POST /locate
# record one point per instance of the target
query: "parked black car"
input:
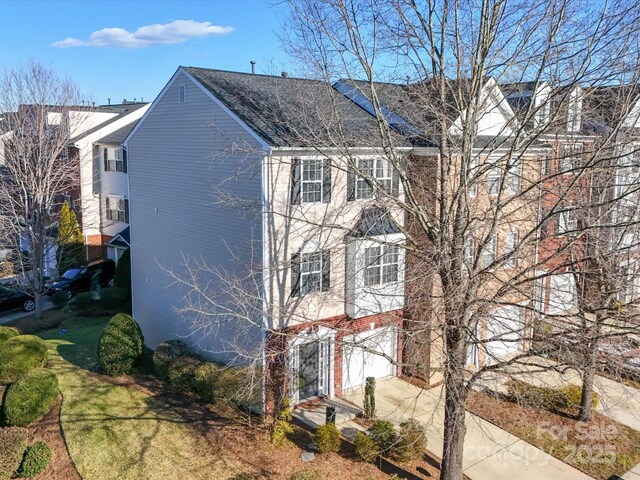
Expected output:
(11, 299)
(79, 279)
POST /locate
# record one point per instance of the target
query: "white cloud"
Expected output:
(157, 34)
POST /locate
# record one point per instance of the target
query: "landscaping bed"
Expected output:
(600, 448)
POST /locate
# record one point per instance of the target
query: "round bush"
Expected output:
(30, 397)
(60, 298)
(384, 434)
(166, 353)
(412, 441)
(20, 354)
(328, 438)
(366, 447)
(35, 461)
(182, 373)
(114, 299)
(13, 442)
(121, 345)
(8, 332)
(206, 377)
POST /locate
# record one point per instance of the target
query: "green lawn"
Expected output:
(117, 432)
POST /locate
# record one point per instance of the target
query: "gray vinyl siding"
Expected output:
(176, 157)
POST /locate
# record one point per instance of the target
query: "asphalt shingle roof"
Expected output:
(117, 136)
(291, 112)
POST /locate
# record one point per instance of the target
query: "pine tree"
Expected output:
(70, 239)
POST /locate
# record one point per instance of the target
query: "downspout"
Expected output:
(264, 199)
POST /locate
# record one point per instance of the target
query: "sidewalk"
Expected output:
(490, 453)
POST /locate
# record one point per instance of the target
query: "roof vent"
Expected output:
(284, 74)
(253, 67)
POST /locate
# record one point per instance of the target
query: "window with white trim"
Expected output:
(493, 180)
(312, 178)
(514, 178)
(472, 171)
(381, 265)
(182, 93)
(569, 157)
(372, 171)
(468, 254)
(510, 245)
(489, 252)
(567, 221)
(116, 208)
(113, 160)
(310, 272)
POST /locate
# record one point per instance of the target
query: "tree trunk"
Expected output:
(38, 300)
(588, 374)
(454, 416)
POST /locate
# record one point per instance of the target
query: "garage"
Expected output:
(505, 332)
(562, 293)
(367, 354)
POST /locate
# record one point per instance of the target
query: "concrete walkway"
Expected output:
(490, 453)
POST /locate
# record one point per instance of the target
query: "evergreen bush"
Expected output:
(121, 345)
(30, 397)
(20, 354)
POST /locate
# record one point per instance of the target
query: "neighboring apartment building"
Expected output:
(253, 177)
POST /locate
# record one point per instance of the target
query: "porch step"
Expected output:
(314, 414)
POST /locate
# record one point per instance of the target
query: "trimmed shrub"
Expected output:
(412, 441)
(20, 354)
(82, 301)
(30, 397)
(229, 384)
(121, 345)
(166, 353)
(35, 461)
(366, 447)
(13, 442)
(206, 381)
(304, 475)
(328, 438)
(370, 397)
(282, 427)
(182, 373)
(384, 434)
(60, 299)
(8, 332)
(114, 299)
(573, 395)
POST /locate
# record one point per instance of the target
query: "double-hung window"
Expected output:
(310, 180)
(117, 209)
(493, 180)
(468, 254)
(371, 173)
(514, 177)
(569, 157)
(489, 252)
(310, 272)
(381, 265)
(510, 246)
(567, 221)
(472, 172)
(113, 160)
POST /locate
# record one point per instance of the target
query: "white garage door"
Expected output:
(562, 294)
(505, 327)
(366, 355)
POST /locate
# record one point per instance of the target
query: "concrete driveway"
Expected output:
(490, 453)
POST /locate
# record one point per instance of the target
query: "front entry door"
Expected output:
(309, 371)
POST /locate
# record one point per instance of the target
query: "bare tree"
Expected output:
(37, 171)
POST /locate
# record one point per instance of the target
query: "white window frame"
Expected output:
(569, 155)
(182, 93)
(468, 253)
(567, 221)
(116, 214)
(510, 247)
(386, 259)
(514, 178)
(489, 252)
(308, 261)
(493, 180)
(472, 172)
(380, 171)
(311, 186)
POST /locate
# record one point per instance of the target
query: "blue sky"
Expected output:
(129, 49)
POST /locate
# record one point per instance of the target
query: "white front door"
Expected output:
(368, 354)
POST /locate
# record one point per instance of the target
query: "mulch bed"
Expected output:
(600, 448)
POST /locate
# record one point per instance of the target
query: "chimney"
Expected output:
(253, 67)
(284, 74)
